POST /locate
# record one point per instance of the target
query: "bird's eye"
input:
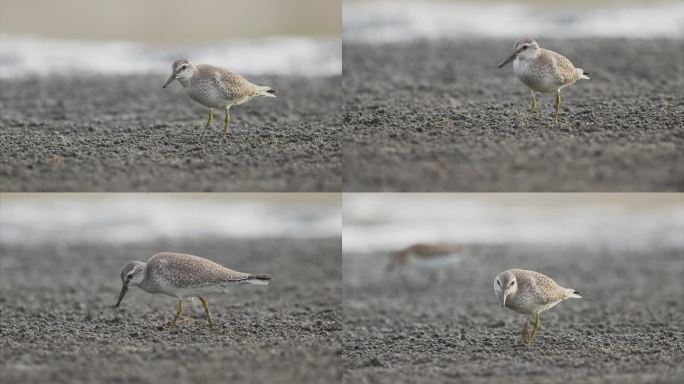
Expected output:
(498, 283)
(512, 282)
(525, 47)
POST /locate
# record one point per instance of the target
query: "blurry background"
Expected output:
(624, 252)
(385, 21)
(255, 37)
(60, 262)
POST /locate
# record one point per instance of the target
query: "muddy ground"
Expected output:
(128, 134)
(409, 328)
(439, 116)
(58, 323)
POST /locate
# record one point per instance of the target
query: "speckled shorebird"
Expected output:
(183, 276)
(542, 70)
(215, 87)
(529, 293)
(424, 254)
(427, 256)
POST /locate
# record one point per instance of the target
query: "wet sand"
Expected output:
(58, 324)
(128, 134)
(628, 326)
(440, 116)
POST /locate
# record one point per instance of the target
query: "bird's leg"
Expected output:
(206, 310)
(211, 117)
(225, 130)
(525, 333)
(180, 310)
(537, 325)
(557, 106)
(533, 107)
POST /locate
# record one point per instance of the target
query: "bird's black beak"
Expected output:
(510, 58)
(124, 289)
(172, 78)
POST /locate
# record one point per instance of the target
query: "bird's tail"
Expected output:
(572, 293)
(258, 279)
(582, 74)
(263, 90)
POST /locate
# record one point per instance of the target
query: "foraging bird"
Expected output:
(542, 70)
(215, 87)
(433, 257)
(183, 276)
(434, 254)
(529, 293)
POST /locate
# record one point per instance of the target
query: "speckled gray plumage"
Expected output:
(217, 87)
(187, 271)
(535, 292)
(183, 275)
(540, 69)
(549, 64)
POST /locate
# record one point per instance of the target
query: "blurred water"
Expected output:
(400, 21)
(130, 218)
(289, 56)
(377, 223)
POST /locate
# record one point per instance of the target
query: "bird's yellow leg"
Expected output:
(557, 105)
(206, 310)
(537, 324)
(211, 117)
(227, 127)
(180, 310)
(533, 107)
(525, 333)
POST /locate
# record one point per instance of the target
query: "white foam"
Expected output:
(32, 56)
(401, 21)
(131, 218)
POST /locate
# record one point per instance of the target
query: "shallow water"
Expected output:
(22, 55)
(133, 218)
(401, 21)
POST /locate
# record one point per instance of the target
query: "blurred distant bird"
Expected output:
(433, 256)
(529, 293)
(215, 87)
(183, 276)
(542, 70)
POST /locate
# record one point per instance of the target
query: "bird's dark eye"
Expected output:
(524, 47)
(512, 282)
(498, 283)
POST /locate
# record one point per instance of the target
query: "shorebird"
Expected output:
(215, 87)
(183, 276)
(542, 70)
(529, 293)
(433, 257)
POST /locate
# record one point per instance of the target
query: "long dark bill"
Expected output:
(124, 289)
(510, 58)
(172, 78)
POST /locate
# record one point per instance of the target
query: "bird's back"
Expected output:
(187, 271)
(564, 71)
(540, 288)
(231, 85)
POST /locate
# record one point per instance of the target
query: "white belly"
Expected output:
(539, 81)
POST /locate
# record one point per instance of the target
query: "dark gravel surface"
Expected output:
(58, 323)
(628, 327)
(128, 134)
(439, 116)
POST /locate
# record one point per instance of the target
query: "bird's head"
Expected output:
(181, 70)
(525, 48)
(505, 284)
(132, 273)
